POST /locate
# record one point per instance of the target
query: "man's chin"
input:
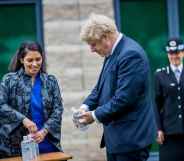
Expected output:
(176, 64)
(102, 55)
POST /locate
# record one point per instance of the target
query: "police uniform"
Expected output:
(169, 99)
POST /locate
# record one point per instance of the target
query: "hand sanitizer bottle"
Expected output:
(76, 116)
(34, 147)
(26, 149)
(29, 149)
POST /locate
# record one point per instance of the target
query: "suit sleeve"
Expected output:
(159, 101)
(53, 124)
(132, 70)
(92, 99)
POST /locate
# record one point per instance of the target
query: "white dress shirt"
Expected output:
(175, 68)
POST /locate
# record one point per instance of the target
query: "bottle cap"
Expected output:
(25, 137)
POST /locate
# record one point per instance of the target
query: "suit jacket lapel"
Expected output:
(100, 77)
(111, 62)
(182, 76)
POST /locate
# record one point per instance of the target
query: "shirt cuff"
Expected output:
(85, 107)
(94, 117)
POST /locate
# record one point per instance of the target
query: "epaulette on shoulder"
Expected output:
(160, 69)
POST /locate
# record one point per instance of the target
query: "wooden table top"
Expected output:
(56, 156)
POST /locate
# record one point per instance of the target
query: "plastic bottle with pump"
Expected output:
(29, 149)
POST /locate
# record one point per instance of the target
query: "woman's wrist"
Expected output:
(45, 131)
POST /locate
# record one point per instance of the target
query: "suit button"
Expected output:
(180, 116)
(179, 88)
(179, 106)
(179, 97)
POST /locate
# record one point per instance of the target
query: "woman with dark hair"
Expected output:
(21, 52)
(30, 103)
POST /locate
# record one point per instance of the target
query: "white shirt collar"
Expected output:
(120, 35)
(116, 43)
(173, 67)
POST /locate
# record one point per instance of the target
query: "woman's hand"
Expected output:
(30, 125)
(40, 135)
(160, 137)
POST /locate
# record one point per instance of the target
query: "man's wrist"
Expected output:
(94, 117)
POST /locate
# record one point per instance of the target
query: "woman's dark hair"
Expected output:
(24, 48)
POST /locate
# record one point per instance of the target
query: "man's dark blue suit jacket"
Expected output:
(121, 99)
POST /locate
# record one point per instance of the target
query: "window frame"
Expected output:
(38, 13)
(172, 17)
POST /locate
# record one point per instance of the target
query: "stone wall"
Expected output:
(75, 68)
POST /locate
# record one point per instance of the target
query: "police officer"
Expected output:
(169, 100)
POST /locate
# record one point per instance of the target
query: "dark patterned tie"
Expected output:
(106, 62)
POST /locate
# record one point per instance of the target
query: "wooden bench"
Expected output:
(56, 156)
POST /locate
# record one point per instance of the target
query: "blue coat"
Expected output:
(121, 99)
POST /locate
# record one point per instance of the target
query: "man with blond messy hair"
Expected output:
(121, 99)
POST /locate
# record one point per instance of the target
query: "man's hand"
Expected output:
(86, 118)
(160, 137)
(30, 125)
(76, 114)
